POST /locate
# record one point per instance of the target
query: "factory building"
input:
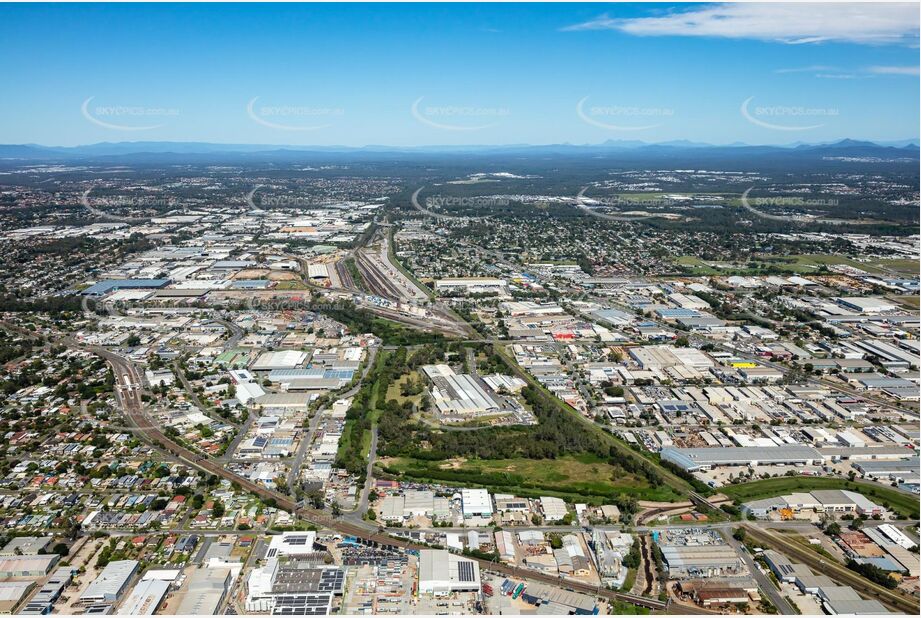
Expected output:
(866, 304)
(43, 600)
(833, 501)
(476, 503)
(459, 396)
(25, 546)
(26, 565)
(104, 287)
(285, 359)
(684, 561)
(206, 590)
(297, 588)
(553, 600)
(692, 459)
(442, 573)
(471, 285)
(317, 272)
(145, 598)
(108, 587)
(11, 593)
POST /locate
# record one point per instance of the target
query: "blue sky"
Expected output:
(427, 74)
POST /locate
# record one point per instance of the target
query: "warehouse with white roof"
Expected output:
(442, 573)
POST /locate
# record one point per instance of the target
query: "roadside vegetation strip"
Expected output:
(681, 486)
(903, 503)
(360, 418)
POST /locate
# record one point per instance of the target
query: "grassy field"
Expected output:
(696, 265)
(901, 502)
(912, 302)
(290, 285)
(905, 266)
(579, 478)
(393, 390)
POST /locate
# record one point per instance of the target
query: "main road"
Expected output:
(766, 585)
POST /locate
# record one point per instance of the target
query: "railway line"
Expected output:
(345, 277)
(836, 571)
(377, 281)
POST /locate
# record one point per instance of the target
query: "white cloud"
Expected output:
(889, 70)
(836, 76)
(827, 72)
(793, 23)
(809, 69)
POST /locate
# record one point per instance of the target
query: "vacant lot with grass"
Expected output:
(899, 501)
(579, 478)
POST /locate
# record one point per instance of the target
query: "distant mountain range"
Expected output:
(109, 150)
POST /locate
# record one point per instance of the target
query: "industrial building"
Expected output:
(906, 470)
(11, 594)
(554, 600)
(26, 565)
(285, 359)
(302, 588)
(414, 503)
(204, 591)
(25, 546)
(692, 459)
(459, 396)
(476, 503)
(684, 561)
(42, 601)
(293, 544)
(317, 272)
(554, 509)
(833, 598)
(442, 573)
(145, 598)
(833, 501)
(108, 587)
(472, 285)
(104, 287)
(866, 304)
